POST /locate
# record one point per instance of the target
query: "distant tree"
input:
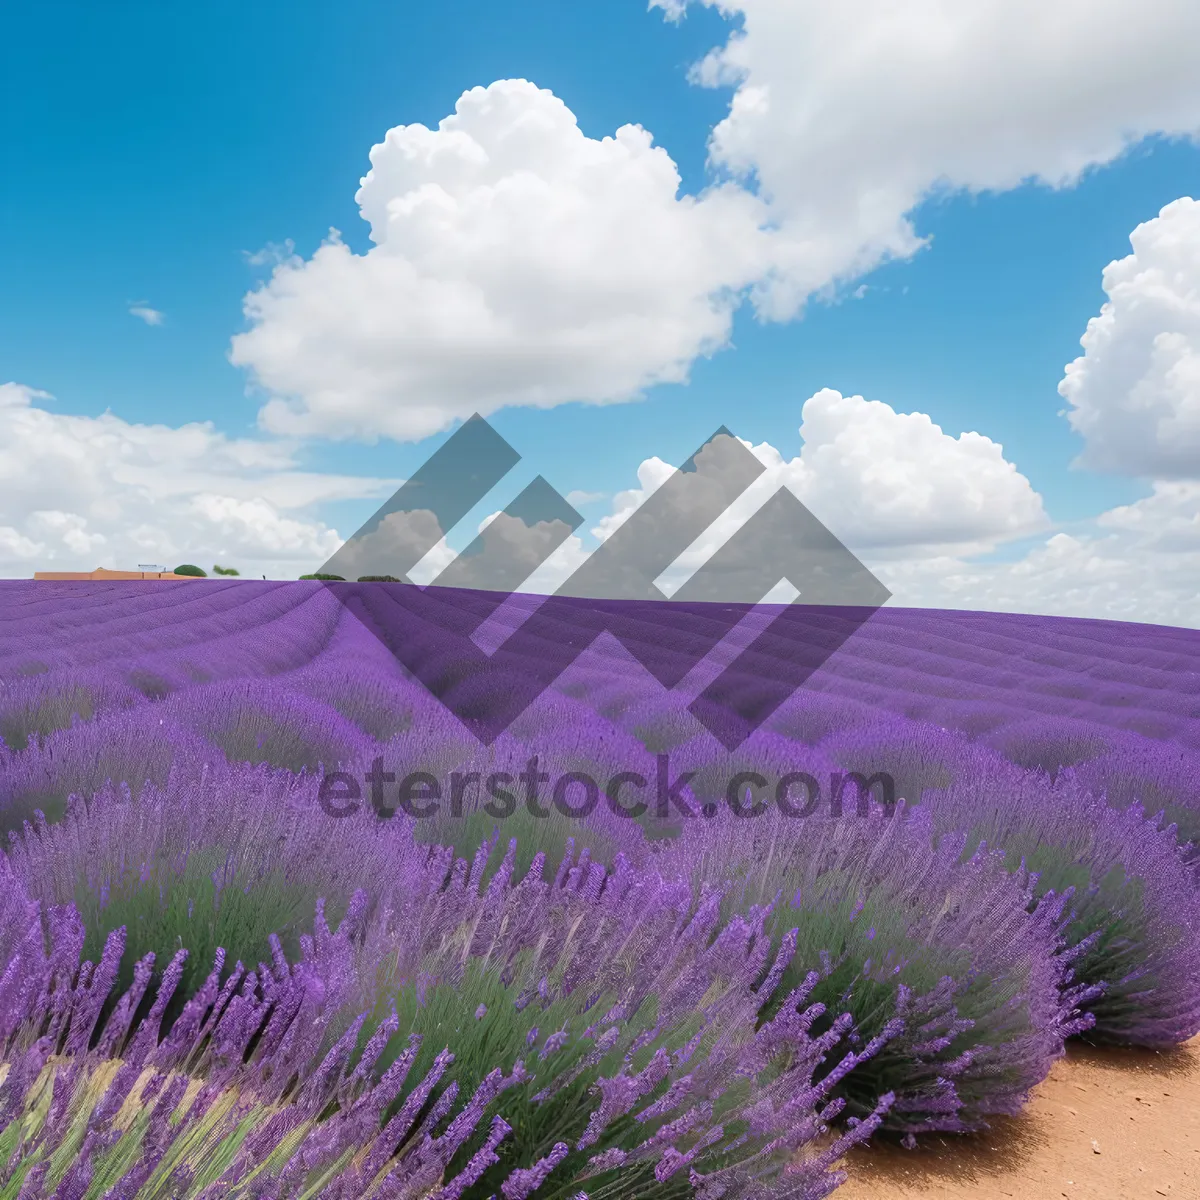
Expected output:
(320, 575)
(226, 571)
(188, 569)
(378, 579)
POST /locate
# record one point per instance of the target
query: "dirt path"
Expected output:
(1106, 1125)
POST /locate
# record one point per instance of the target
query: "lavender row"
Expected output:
(462, 1032)
(957, 669)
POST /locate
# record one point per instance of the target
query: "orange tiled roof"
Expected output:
(104, 573)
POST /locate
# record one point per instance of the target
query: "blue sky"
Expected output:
(149, 149)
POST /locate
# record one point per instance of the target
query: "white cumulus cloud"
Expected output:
(1140, 562)
(516, 261)
(82, 492)
(848, 114)
(924, 510)
(1134, 393)
(887, 484)
(1167, 520)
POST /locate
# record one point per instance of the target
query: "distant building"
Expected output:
(104, 573)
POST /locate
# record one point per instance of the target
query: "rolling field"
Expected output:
(275, 923)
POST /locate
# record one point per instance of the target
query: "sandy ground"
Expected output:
(1106, 1125)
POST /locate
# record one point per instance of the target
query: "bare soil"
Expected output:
(1105, 1125)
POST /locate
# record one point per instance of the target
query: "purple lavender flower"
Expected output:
(626, 963)
(219, 857)
(1133, 916)
(910, 942)
(1160, 776)
(517, 1007)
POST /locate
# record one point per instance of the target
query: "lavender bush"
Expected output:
(1132, 912)
(1135, 915)
(938, 955)
(216, 857)
(486, 811)
(35, 706)
(1161, 777)
(1049, 745)
(605, 1043)
(918, 755)
(132, 747)
(253, 722)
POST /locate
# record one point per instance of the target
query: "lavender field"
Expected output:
(239, 959)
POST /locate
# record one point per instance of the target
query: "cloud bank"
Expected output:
(1134, 393)
(83, 492)
(516, 261)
